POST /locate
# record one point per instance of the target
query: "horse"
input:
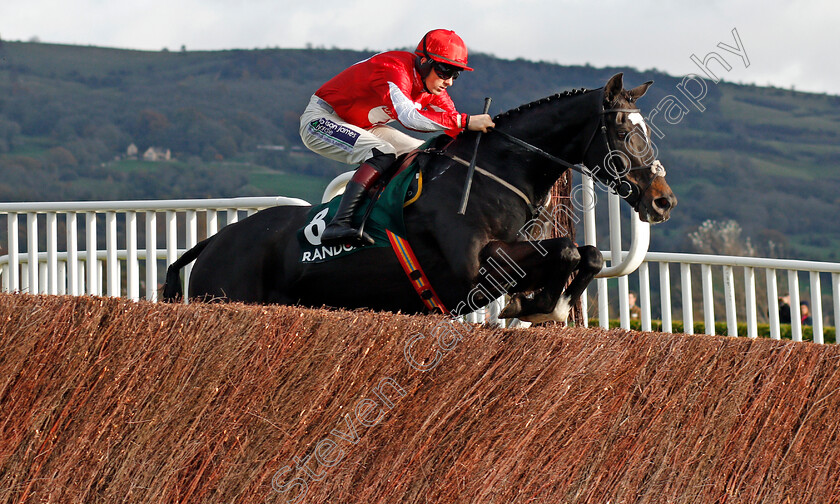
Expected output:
(470, 259)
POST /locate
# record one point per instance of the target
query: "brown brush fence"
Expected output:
(763, 330)
(108, 400)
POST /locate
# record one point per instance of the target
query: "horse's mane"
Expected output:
(541, 101)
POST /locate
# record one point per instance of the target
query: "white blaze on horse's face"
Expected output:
(636, 118)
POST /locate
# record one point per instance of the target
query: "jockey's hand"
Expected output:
(481, 122)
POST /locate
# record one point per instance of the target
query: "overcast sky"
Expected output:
(787, 43)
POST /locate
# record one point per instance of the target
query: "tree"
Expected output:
(151, 128)
(721, 238)
(772, 243)
(226, 146)
(59, 156)
(9, 132)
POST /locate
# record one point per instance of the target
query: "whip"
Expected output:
(468, 183)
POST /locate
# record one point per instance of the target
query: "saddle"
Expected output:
(383, 212)
(414, 159)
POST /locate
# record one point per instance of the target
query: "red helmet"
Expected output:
(444, 46)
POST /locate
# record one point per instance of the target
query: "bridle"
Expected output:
(634, 195)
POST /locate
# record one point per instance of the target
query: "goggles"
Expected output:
(445, 71)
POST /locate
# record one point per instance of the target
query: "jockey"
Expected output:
(346, 118)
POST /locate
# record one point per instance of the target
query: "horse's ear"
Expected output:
(639, 91)
(614, 87)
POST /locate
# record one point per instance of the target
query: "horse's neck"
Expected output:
(560, 125)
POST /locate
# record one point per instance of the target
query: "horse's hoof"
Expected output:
(512, 309)
(560, 313)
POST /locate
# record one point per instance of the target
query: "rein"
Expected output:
(655, 167)
(533, 148)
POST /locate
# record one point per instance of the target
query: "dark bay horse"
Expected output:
(469, 259)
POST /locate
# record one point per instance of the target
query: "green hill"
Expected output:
(765, 157)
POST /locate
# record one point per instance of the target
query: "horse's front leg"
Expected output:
(591, 262)
(544, 267)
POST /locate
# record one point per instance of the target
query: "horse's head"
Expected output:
(600, 132)
(625, 157)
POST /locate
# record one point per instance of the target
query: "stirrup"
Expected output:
(338, 233)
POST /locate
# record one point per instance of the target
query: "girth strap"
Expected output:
(419, 280)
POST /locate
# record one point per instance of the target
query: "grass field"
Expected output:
(290, 184)
(262, 180)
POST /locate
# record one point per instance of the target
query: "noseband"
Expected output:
(634, 196)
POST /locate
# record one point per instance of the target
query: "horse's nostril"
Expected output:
(663, 204)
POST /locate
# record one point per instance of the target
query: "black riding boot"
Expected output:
(341, 230)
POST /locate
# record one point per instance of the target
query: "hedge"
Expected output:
(829, 333)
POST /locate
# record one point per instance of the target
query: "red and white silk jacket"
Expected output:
(387, 87)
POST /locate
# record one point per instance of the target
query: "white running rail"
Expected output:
(79, 259)
(734, 302)
(640, 241)
(744, 302)
(71, 255)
